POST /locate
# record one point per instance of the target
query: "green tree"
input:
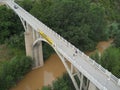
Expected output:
(9, 24)
(16, 41)
(78, 21)
(97, 22)
(12, 71)
(110, 60)
(6, 80)
(47, 50)
(112, 9)
(26, 4)
(62, 83)
(117, 40)
(46, 88)
(114, 30)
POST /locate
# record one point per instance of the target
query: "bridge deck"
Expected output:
(94, 72)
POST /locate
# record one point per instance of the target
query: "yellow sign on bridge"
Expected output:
(50, 41)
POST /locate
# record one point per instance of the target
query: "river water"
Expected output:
(101, 46)
(52, 69)
(35, 79)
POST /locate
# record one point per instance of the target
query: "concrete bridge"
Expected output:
(91, 75)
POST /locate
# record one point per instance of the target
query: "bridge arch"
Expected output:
(69, 69)
(38, 57)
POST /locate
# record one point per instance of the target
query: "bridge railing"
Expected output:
(87, 58)
(48, 31)
(96, 65)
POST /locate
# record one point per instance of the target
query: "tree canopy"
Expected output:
(80, 21)
(110, 60)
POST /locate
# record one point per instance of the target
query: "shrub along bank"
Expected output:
(62, 83)
(14, 70)
(109, 59)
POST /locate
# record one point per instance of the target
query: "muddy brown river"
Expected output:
(52, 69)
(37, 78)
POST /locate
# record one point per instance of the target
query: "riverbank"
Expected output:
(43, 76)
(101, 46)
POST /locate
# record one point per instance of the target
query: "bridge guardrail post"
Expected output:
(108, 74)
(93, 62)
(118, 82)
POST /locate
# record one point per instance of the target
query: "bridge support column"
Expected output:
(37, 51)
(28, 43)
(92, 86)
(81, 82)
(33, 51)
(85, 83)
(38, 55)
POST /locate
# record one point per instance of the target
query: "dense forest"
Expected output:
(82, 22)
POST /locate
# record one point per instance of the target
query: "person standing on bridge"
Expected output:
(75, 54)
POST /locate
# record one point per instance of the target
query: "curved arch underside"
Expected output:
(69, 68)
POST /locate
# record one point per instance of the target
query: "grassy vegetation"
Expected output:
(6, 53)
(109, 59)
(13, 70)
(13, 66)
(62, 83)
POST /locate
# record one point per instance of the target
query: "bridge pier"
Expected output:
(92, 86)
(38, 55)
(28, 43)
(35, 52)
